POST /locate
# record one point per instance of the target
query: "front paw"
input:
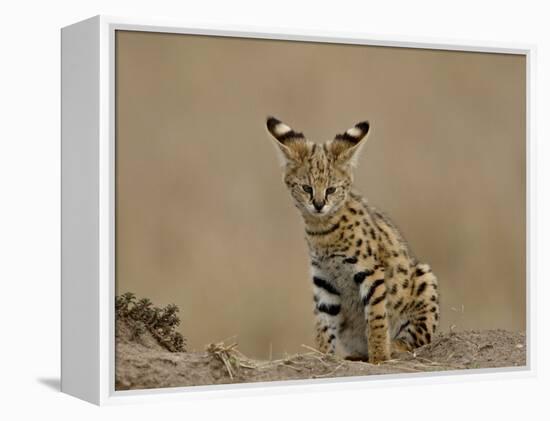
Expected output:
(376, 360)
(379, 356)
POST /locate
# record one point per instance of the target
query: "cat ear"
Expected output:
(345, 147)
(293, 145)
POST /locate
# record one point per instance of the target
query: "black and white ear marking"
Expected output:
(292, 145)
(281, 131)
(346, 146)
(355, 134)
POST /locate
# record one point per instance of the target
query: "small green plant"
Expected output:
(142, 316)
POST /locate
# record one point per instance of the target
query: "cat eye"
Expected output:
(330, 190)
(307, 189)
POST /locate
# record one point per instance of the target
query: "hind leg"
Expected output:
(399, 346)
(420, 316)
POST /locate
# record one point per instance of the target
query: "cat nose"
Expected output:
(318, 205)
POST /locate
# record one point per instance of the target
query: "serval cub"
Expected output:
(371, 295)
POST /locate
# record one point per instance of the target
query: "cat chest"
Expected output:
(339, 275)
(334, 269)
(351, 320)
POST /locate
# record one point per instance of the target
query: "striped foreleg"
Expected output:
(328, 312)
(373, 292)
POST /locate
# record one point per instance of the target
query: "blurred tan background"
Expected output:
(205, 222)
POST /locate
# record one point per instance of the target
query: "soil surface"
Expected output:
(143, 363)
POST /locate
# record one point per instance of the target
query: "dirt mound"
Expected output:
(477, 349)
(143, 363)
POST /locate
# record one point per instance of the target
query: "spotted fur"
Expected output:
(371, 296)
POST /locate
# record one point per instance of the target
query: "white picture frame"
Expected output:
(88, 170)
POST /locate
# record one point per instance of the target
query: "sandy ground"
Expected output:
(143, 363)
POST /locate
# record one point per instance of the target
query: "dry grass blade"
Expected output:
(254, 367)
(331, 373)
(320, 356)
(224, 353)
(320, 360)
(416, 357)
(287, 364)
(314, 350)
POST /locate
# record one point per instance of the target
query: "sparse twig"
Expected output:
(287, 364)
(314, 350)
(331, 373)
(223, 352)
